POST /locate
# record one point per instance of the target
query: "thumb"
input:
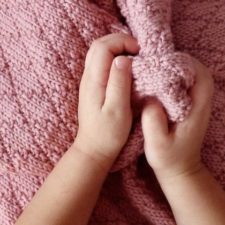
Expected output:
(154, 123)
(118, 89)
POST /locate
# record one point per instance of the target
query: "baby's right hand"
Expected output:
(176, 151)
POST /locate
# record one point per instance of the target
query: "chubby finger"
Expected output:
(201, 95)
(154, 123)
(107, 47)
(99, 60)
(202, 91)
(118, 89)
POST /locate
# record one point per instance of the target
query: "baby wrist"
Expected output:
(94, 156)
(179, 172)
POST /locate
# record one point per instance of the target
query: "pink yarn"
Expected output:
(43, 45)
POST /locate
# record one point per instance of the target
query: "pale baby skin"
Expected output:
(71, 190)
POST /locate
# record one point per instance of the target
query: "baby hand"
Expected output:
(171, 152)
(104, 111)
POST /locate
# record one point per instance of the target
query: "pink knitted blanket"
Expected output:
(43, 45)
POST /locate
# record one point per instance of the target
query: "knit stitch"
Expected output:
(42, 50)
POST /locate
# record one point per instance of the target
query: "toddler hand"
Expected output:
(174, 151)
(104, 111)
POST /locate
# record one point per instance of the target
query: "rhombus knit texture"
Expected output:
(43, 44)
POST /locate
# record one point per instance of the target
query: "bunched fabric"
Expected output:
(42, 51)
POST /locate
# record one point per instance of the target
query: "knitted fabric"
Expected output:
(42, 50)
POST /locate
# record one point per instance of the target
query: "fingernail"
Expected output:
(122, 63)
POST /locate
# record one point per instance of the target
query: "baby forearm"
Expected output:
(69, 193)
(105, 118)
(195, 198)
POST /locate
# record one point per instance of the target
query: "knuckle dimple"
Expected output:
(112, 112)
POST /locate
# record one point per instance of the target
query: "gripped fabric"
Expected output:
(42, 50)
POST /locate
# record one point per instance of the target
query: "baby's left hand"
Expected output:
(104, 111)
